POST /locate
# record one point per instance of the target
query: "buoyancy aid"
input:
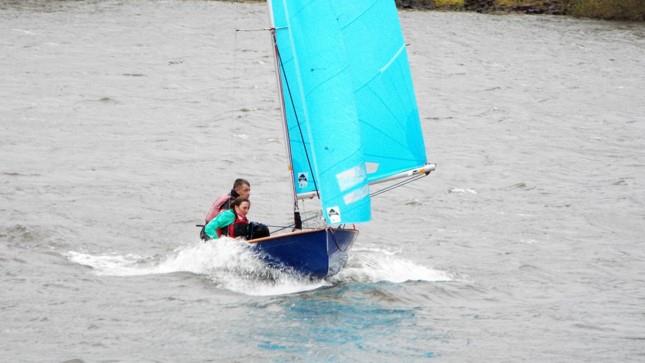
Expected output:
(222, 203)
(238, 228)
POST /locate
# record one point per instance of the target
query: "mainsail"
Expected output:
(383, 90)
(348, 101)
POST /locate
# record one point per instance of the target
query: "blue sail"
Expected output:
(319, 102)
(384, 94)
(297, 127)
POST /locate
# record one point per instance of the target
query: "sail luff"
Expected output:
(297, 133)
(299, 85)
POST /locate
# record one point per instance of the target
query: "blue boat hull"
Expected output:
(317, 253)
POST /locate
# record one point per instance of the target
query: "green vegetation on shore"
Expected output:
(608, 9)
(601, 9)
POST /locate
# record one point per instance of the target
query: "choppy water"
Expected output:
(121, 121)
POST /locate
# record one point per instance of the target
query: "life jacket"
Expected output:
(238, 228)
(222, 203)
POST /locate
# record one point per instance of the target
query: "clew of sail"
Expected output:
(320, 108)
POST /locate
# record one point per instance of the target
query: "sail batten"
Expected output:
(394, 57)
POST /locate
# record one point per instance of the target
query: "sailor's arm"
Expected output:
(222, 220)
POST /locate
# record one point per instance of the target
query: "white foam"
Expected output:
(198, 258)
(376, 264)
(462, 190)
(232, 265)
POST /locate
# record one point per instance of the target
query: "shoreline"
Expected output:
(624, 10)
(621, 10)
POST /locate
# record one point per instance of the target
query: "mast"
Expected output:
(276, 54)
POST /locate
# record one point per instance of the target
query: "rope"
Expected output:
(397, 185)
(292, 224)
(375, 194)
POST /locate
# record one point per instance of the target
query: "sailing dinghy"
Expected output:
(350, 121)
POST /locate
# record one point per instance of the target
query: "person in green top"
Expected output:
(230, 222)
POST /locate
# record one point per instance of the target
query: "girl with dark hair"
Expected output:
(231, 222)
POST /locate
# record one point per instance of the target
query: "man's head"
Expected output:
(242, 187)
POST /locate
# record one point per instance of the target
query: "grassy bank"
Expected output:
(609, 9)
(600, 9)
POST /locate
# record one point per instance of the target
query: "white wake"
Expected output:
(232, 265)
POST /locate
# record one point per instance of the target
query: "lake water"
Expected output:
(122, 121)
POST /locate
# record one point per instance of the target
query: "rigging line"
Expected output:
(293, 224)
(268, 225)
(377, 193)
(253, 30)
(391, 187)
(397, 185)
(394, 186)
(381, 191)
(235, 83)
(302, 138)
(259, 29)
